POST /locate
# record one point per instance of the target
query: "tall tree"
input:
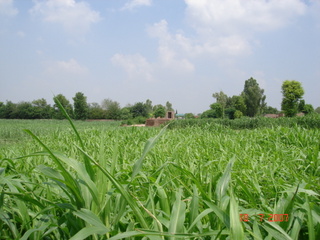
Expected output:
(169, 106)
(239, 104)
(66, 105)
(113, 109)
(42, 109)
(9, 110)
(253, 96)
(139, 109)
(159, 111)
(80, 106)
(149, 106)
(292, 92)
(217, 109)
(96, 111)
(222, 99)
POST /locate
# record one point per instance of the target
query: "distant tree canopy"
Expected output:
(139, 109)
(95, 111)
(80, 106)
(113, 109)
(250, 103)
(254, 97)
(65, 104)
(292, 93)
(159, 111)
(168, 106)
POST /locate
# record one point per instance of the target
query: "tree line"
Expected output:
(81, 110)
(252, 102)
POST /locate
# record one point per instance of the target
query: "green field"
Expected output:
(184, 182)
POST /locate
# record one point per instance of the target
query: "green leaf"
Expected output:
(235, 224)
(177, 215)
(148, 146)
(223, 182)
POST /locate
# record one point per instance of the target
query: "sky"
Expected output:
(181, 51)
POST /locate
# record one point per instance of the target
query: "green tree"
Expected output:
(238, 114)
(126, 113)
(292, 92)
(229, 112)
(222, 99)
(308, 108)
(80, 106)
(9, 110)
(159, 111)
(208, 114)
(317, 110)
(218, 110)
(189, 116)
(270, 110)
(24, 110)
(66, 105)
(169, 106)
(254, 97)
(42, 110)
(149, 107)
(95, 111)
(239, 104)
(139, 109)
(113, 109)
(301, 105)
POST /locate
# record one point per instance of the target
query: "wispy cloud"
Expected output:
(136, 3)
(75, 17)
(70, 67)
(136, 66)
(7, 8)
(224, 28)
(234, 16)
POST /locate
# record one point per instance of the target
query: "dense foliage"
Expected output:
(308, 122)
(292, 92)
(103, 181)
(81, 110)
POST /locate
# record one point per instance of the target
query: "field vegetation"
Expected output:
(190, 180)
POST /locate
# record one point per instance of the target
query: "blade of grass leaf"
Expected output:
(70, 181)
(147, 147)
(121, 189)
(235, 224)
(86, 161)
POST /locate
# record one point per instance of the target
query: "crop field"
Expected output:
(97, 180)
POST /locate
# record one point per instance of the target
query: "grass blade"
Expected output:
(235, 224)
(148, 146)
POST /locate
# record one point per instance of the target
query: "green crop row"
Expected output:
(309, 121)
(85, 180)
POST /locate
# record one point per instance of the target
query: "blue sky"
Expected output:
(180, 51)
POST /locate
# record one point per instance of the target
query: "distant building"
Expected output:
(155, 122)
(282, 115)
(180, 116)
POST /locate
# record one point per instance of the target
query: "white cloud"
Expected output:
(75, 17)
(7, 9)
(172, 48)
(233, 16)
(70, 67)
(224, 28)
(136, 3)
(135, 65)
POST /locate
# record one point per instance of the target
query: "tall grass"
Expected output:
(308, 122)
(84, 182)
